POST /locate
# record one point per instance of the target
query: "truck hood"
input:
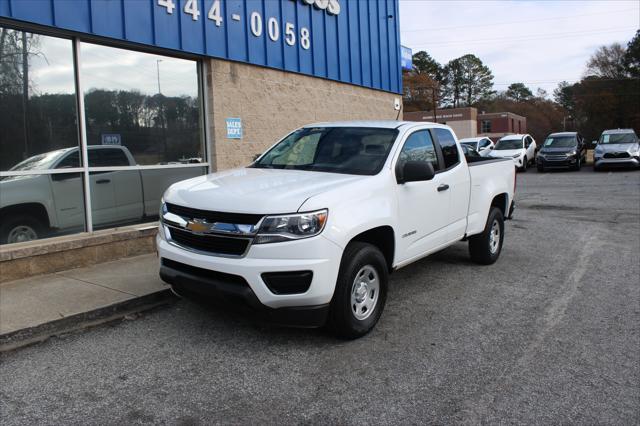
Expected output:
(249, 190)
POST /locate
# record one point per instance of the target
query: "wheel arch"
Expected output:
(36, 210)
(501, 201)
(382, 237)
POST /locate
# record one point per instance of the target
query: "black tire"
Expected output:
(32, 229)
(578, 165)
(524, 165)
(540, 168)
(342, 320)
(481, 246)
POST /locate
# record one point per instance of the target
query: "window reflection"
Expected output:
(125, 197)
(37, 96)
(38, 206)
(146, 103)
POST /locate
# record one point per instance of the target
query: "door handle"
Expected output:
(103, 181)
(443, 187)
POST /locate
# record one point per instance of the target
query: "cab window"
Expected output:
(448, 146)
(107, 157)
(419, 147)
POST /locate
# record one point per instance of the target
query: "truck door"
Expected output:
(66, 193)
(456, 176)
(422, 206)
(103, 194)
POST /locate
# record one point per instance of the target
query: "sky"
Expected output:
(109, 68)
(539, 43)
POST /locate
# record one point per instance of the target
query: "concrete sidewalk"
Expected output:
(36, 308)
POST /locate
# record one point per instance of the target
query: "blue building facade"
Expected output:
(352, 41)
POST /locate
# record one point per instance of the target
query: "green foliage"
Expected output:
(466, 80)
(423, 63)
(632, 57)
(518, 92)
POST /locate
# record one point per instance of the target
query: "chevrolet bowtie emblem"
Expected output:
(198, 225)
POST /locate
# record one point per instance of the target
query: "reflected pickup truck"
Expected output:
(35, 205)
(309, 233)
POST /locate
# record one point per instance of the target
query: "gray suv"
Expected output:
(617, 148)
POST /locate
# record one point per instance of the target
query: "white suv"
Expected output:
(520, 148)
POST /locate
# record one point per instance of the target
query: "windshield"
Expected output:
(505, 144)
(560, 142)
(470, 144)
(40, 161)
(350, 150)
(618, 138)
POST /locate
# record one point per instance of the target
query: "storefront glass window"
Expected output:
(143, 131)
(146, 103)
(37, 99)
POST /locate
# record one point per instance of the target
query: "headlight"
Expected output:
(598, 149)
(163, 208)
(517, 155)
(572, 153)
(275, 229)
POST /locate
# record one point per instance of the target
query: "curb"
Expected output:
(40, 333)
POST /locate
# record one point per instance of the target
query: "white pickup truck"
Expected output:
(35, 206)
(309, 233)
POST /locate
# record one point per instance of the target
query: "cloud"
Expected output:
(539, 43)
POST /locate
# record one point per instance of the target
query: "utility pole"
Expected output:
(161, 100)
(158, 72)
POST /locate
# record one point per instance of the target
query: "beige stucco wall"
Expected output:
(464, 128)
(272, 103)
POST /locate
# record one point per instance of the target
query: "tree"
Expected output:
(632, 57)
(518, 92)
(607, 62)
(423, 63)
(421, 84)
(563, 95)
(421, 92)
(467, 80)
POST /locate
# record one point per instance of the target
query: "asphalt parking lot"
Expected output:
(549, 334)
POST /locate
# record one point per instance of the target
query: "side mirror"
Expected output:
(415, 171)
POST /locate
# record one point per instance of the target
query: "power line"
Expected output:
(523, 21)
(526, 38)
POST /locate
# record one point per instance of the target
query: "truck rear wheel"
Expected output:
(20, 229)
(485, 248)
(361, 291)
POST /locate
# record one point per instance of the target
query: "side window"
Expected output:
(70, 161)
(527, 142)
(448, 146)
(419, 147)
(485, 143)
(107, 157)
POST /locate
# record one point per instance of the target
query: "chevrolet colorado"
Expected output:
(309, 233)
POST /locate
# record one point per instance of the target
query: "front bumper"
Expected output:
(317, 255)
(560, 163)
(616, 162)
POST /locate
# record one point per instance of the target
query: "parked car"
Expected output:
(564, 150)
(309, 233)
(33, 206)
(482, 144)
(520, 148)
(617, 148)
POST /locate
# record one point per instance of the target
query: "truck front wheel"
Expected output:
(20, 229)
(361, 291)
(485, 248)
